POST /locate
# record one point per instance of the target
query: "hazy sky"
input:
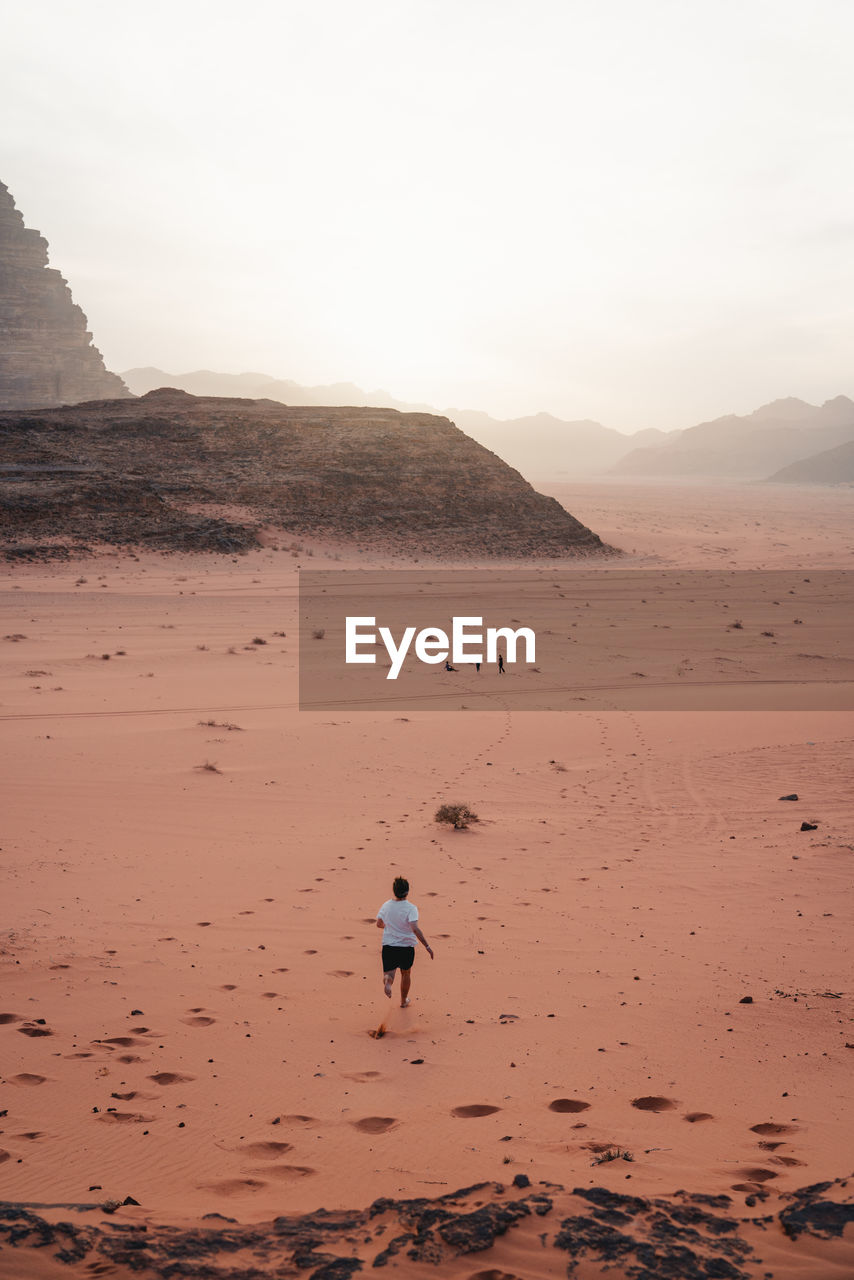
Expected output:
(640, 211)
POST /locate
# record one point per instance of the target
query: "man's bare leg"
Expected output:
(388, 982)
(405, 979)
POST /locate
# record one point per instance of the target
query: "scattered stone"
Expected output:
(793, 796)
(809, 826)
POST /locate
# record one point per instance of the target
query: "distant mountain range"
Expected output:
(752, 447)
(832, 466)
(761, 445)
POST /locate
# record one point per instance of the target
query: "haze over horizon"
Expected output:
(636, 214)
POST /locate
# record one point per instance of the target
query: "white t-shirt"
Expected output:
(398, 917)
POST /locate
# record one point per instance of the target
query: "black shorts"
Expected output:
(397, 958)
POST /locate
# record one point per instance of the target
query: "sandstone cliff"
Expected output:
(46, 352)
(158, 471)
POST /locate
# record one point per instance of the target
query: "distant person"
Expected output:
(397, 919)
(448, 666)
(477, 666)
(501, 664)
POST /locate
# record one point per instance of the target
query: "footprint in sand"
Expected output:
(123, 1057)
(269, 995)
(170, 1077)
(123, 1042)
(266, 1150)
(6, 1018)
(568, 1104)
(4, 1155)
(493, 1274)
(26, 1078)
(80, 1055)
(788, 1161)
(229, 986)
(124, 1097)
(124, 1117)
(473, 1110)
(199, 1020)
(340, 973)
(364, 1077)
(653, 1104)
(233, 1186)
(694, 1117)
(767, 1128)
(375, 1124)
(32, 1030)
(298, 1119)
(759, 1175)
(286, 1172)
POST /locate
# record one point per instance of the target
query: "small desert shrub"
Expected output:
(208, 767)
(737, 625)
(220, 724)
(258, 640)
(613, 1153)
(456, 815)
(770, 634)
(318, 634)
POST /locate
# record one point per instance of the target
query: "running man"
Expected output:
(397, 919)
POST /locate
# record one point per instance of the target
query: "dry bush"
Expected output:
(458, 816)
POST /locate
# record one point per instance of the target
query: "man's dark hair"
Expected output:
(400, 887)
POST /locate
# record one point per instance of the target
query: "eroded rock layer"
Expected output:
(46, 352)
(176, 471)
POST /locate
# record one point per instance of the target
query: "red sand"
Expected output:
(200, 943)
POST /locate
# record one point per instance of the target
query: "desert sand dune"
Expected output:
(638, 950)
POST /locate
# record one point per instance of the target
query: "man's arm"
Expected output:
(420, 936)
(380, 923)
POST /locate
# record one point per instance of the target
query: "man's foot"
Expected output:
(404, 1003)
(387, 981)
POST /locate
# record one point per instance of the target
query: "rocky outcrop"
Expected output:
(46, 352)
(190, 472)
(589, 1231)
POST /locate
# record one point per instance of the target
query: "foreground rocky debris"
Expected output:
(679, 1237)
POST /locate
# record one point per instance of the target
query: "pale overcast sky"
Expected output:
(639, 211)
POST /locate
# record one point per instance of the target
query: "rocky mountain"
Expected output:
(540, 447)
(831, 466)
(46, 352)
(260, 386)
(749, 447)
(174, 470)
